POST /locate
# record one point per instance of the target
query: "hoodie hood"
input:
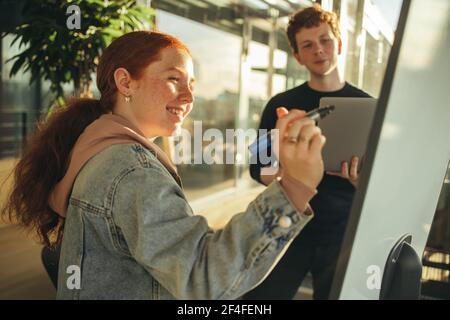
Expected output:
(107, 130)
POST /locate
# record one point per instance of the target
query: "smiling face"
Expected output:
(318, 49)
(163, 95)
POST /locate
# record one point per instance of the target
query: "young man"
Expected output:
(315, 39)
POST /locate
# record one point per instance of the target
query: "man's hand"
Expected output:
(351, 175)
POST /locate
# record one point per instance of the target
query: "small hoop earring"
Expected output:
(127, 99)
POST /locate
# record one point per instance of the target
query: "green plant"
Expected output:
(60, 55)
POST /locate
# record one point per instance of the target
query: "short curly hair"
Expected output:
(308, 18)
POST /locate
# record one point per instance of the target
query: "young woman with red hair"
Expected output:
(92, 181)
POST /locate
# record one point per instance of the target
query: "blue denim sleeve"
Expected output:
(184, 254)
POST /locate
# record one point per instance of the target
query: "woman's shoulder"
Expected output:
(127, 155)
(115, 161)
(110, 166)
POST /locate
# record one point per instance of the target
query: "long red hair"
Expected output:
(46, 156)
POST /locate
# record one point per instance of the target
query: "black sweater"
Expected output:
(333, 201)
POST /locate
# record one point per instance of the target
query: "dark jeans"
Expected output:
(302, 256)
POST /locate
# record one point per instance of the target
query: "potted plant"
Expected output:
(60, 53)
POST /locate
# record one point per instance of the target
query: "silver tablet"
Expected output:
(347, 130)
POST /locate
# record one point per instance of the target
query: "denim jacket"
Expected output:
(130, 234)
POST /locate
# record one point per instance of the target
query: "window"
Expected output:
(216, 67)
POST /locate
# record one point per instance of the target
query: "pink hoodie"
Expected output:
(107, 130)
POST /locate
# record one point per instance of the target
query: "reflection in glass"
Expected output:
(216, 67)
(375, 61)
(18, 101)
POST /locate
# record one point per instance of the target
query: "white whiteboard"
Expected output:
(408, 152)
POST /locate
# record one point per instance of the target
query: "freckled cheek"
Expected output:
(165, 91)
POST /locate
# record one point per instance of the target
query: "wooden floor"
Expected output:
(22, 275)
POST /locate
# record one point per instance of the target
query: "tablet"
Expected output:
(347, 130)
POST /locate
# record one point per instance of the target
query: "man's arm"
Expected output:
(268, 121)
(267, 179)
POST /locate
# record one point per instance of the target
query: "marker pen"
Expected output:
(265, 141)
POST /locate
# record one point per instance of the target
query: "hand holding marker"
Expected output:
(265, 141)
